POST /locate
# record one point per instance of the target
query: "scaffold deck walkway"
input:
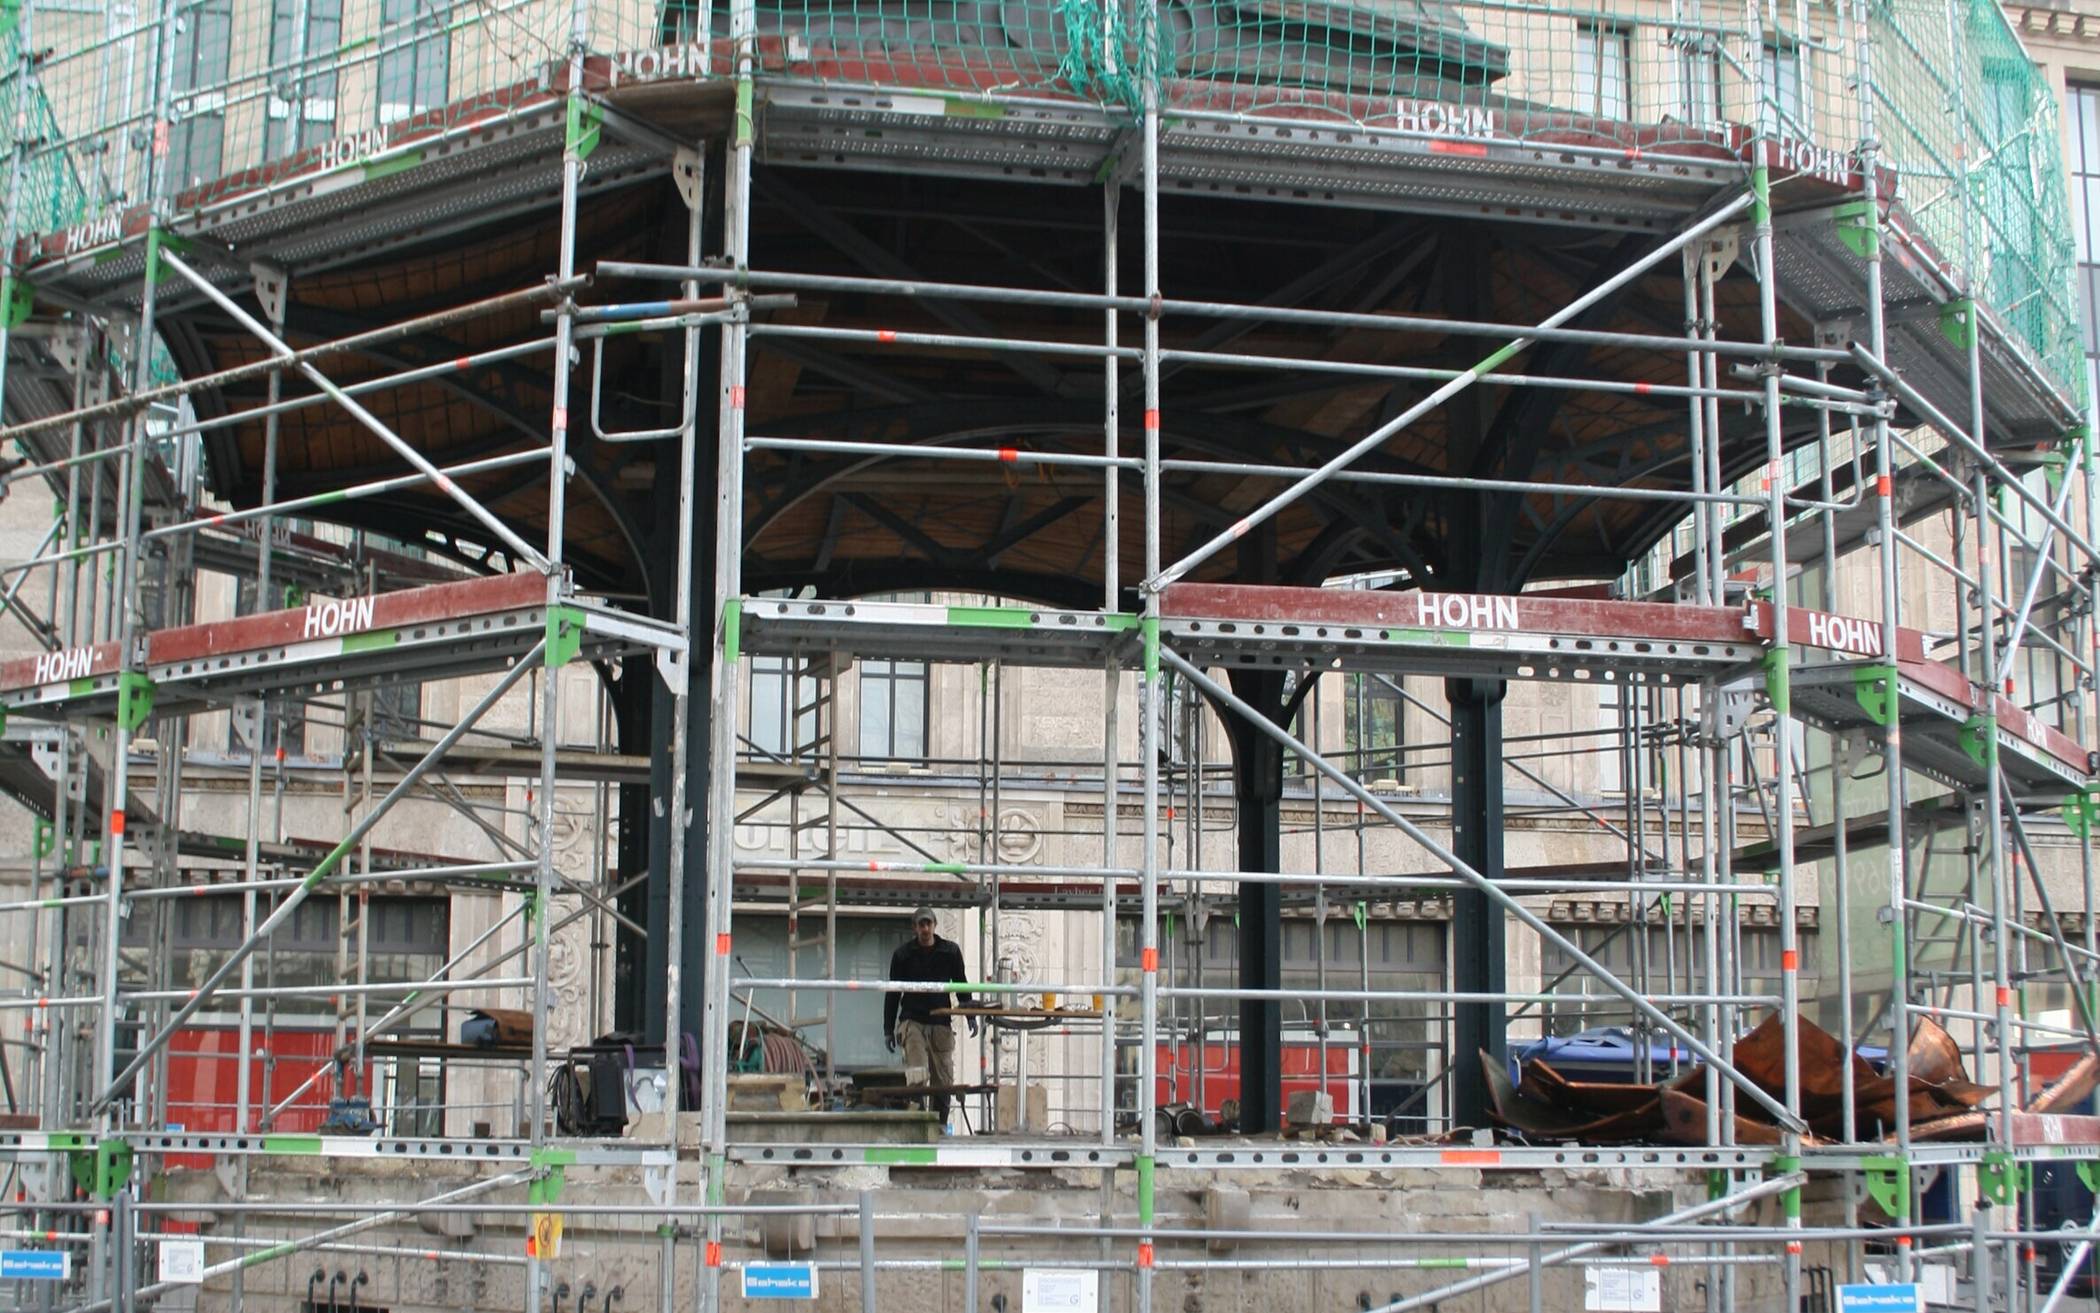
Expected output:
(437, 631)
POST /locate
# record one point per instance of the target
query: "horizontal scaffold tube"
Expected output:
(1213, 310)
(122, 406)
(1224, 697)
(1021, 456)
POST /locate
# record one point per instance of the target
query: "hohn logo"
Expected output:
(1440, 120)
(326, 618)
(1816, 161)
(681, 61)
(1463, 611)
(95, 232)
(349, 150)
(68, 663)
(1844, 634)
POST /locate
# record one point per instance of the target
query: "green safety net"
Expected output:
(45, 194)
(1972, 127)
(252, 91)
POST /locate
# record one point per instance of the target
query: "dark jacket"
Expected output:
(943, 962)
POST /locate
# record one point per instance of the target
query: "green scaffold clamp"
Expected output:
(157, 240)
(2079, 810)
(1874, 687)
(564, 635)
(1977, 735)
(17, 298)
(1778, 680)
(1856, 229)
(547, 1189)
(1888, 1184)
(134, 699)
(585, 121)
(1958, 323)
(1998, 1177)
(102, 1170)
(552, 1164)
(2070, 453)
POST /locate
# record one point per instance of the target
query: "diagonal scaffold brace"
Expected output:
(1224, 697)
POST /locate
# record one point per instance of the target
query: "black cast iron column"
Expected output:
(1257, 778)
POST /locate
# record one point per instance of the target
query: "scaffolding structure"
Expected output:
(1902, 203)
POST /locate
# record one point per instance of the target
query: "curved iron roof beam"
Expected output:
(330, 325)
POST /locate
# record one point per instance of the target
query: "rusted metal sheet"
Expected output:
(1520, 613)
(1761, 1056)
(1684, 1122)
(1551, 1121)
(1540, 1081)
(1932, 1055)
(325, 618)
(1940, 1098)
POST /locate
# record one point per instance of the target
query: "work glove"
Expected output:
(973, 1026)
(889, 1041)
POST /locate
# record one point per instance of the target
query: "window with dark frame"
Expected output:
(1698, 79)
(1581, 1002)
(1785, 109)
(776, 697)
(197, 137)
(302, 104)
(1374, 728)
(893, 710)
(415, 55)
(1603, 70)
(409, 942)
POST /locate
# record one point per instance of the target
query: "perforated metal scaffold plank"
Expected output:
(581, 1153)
(1514, 637)
(1251, 1156)
(440, 631)
(1946, 722)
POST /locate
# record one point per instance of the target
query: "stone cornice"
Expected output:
(2060, 24)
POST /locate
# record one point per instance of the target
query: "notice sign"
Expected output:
(35, 1264)
(780, 1281)
(1622, 1289)
(1879, 1299)
(182, 1262)
(1060, 1290)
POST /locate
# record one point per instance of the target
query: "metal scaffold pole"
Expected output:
(724, 683)
(1298, 523)
(676, 670)
(561, 631)
(1149, 708)
(1891, 599)
(1778, 661)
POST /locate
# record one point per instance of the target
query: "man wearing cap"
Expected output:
(908, 1018)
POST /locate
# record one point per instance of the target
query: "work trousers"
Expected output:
(931, 1045)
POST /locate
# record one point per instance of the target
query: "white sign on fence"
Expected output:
(1622, 1290)
(1060, 1290)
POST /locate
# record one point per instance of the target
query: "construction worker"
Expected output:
(908, 1018)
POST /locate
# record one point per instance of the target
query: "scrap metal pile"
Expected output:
(1541, 1103)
